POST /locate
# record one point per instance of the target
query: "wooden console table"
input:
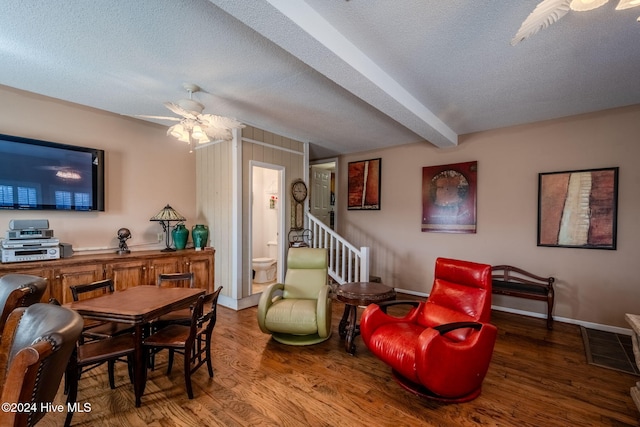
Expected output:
(136, 268)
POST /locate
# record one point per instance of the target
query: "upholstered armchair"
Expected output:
(442, 347)
(36, 346)
(298, 311)
(19, 290)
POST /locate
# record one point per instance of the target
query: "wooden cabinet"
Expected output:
(136, 268)
(164, 265)
(69, 275)
(201, 264)
(126, 274)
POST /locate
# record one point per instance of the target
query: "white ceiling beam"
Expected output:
(301, 31)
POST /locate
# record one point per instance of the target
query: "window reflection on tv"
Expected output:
(44, 175)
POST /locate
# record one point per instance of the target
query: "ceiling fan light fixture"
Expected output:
(177, 131)
(203, 139)
(197, 132)
(586, 5)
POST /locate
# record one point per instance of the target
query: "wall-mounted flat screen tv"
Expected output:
(42, 175)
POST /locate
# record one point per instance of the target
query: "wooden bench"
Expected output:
(515, 282)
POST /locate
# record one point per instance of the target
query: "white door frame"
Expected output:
(281, 220)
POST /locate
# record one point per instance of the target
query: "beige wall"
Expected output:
(597, 286)
(145, 169)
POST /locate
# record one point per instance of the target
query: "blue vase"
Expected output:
(180, 234)
(200, 235)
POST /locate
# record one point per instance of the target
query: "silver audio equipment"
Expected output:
(32, 243)
(30, 254)
(30, 233)
(20, 224)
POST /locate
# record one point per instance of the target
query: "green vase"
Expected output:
(180, 234)
(200, 235)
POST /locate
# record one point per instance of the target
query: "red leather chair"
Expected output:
(442, 347)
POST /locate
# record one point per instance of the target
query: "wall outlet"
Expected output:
(160, 237)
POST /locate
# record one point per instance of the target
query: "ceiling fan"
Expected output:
(193, 124)
(548, 12)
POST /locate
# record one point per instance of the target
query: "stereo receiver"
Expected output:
(30, 254)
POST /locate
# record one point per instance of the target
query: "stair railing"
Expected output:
(346, 262)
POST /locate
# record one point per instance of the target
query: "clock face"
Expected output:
(299, 191)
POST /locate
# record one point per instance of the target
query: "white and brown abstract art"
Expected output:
(578, 209)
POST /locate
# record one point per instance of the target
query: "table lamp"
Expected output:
(164, 217)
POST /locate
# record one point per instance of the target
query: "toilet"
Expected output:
(265, 268)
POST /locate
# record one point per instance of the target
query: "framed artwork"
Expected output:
(449, 198)
(578, 209)
(364, 185)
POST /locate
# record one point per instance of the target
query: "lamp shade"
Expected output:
(167, 214)
(176, 131)
(197, 132)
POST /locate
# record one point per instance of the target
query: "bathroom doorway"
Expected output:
(267, 222)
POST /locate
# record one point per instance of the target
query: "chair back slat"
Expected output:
(91, 290)
(177, 279)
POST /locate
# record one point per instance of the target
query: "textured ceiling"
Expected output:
(346, 76)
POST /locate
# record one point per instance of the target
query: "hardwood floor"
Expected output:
(537, 378)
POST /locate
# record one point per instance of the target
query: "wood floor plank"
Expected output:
(537, 377)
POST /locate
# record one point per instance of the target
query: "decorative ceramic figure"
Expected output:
(123, 235)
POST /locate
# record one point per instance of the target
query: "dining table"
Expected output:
(138, 306)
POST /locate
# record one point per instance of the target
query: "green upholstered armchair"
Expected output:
(298, 311)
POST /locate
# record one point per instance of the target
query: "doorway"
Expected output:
(267, 222)
(323, 196)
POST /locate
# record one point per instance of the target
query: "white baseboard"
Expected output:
(590, 325)
(239, 304)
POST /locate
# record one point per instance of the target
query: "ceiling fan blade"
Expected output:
(143, 116)
(179, 110)
(546, 13)
(218, 134)
(220, 122)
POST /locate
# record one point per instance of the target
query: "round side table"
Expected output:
(355, 295)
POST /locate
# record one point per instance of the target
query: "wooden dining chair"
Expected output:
(181, 316)
(98, 329)
(94, 353)
(193, 341)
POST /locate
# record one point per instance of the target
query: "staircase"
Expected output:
(346, 262)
